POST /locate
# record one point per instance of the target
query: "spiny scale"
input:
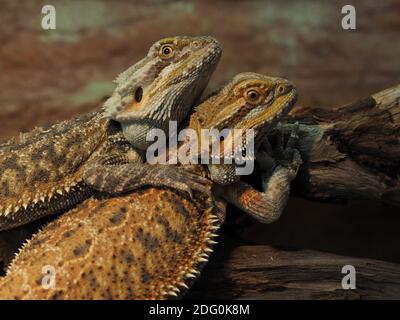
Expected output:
(42, 174)
(43, 197)
(141, 249)
(43, 205)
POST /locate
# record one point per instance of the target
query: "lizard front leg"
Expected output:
(117, 174)
(280, 167)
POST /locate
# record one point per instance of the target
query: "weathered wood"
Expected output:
(262, 272)
(351, 152)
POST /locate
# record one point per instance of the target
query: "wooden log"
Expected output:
(351, 152)
(262, 272)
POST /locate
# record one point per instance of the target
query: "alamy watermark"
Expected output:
(349, 280)
(349, 18)
(49, 278)
(210, 146)
(49, 17)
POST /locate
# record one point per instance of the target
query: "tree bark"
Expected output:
(351, 152)
(262, 272)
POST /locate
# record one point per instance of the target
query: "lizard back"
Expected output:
(151, 244)
(40, 168)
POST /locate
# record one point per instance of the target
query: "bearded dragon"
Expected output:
(50, 170)
(153, 243)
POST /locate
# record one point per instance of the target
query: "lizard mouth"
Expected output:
(203, 60)
(282, 105)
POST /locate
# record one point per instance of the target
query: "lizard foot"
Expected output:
(282, 154)
(182, 180)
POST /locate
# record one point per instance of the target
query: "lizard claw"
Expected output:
(294, 136)
(280, 141)
(267, 146)
(185, 181)
(282, 154)
(265, 161)
(294, 164)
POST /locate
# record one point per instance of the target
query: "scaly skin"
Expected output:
(10, 242)
(48, 171)
(152, 243)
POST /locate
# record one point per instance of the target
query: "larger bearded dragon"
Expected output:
(49, 170)
(152, 243)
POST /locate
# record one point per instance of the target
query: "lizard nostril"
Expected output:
(138, 94)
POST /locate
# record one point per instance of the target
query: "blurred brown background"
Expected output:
(51, 75)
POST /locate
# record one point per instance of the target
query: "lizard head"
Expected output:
(163, 86)
(249, 101)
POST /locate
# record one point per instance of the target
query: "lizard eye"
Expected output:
(281, 89)
(166, 51)
(195, 44)
(253, 97)
(138, 94)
